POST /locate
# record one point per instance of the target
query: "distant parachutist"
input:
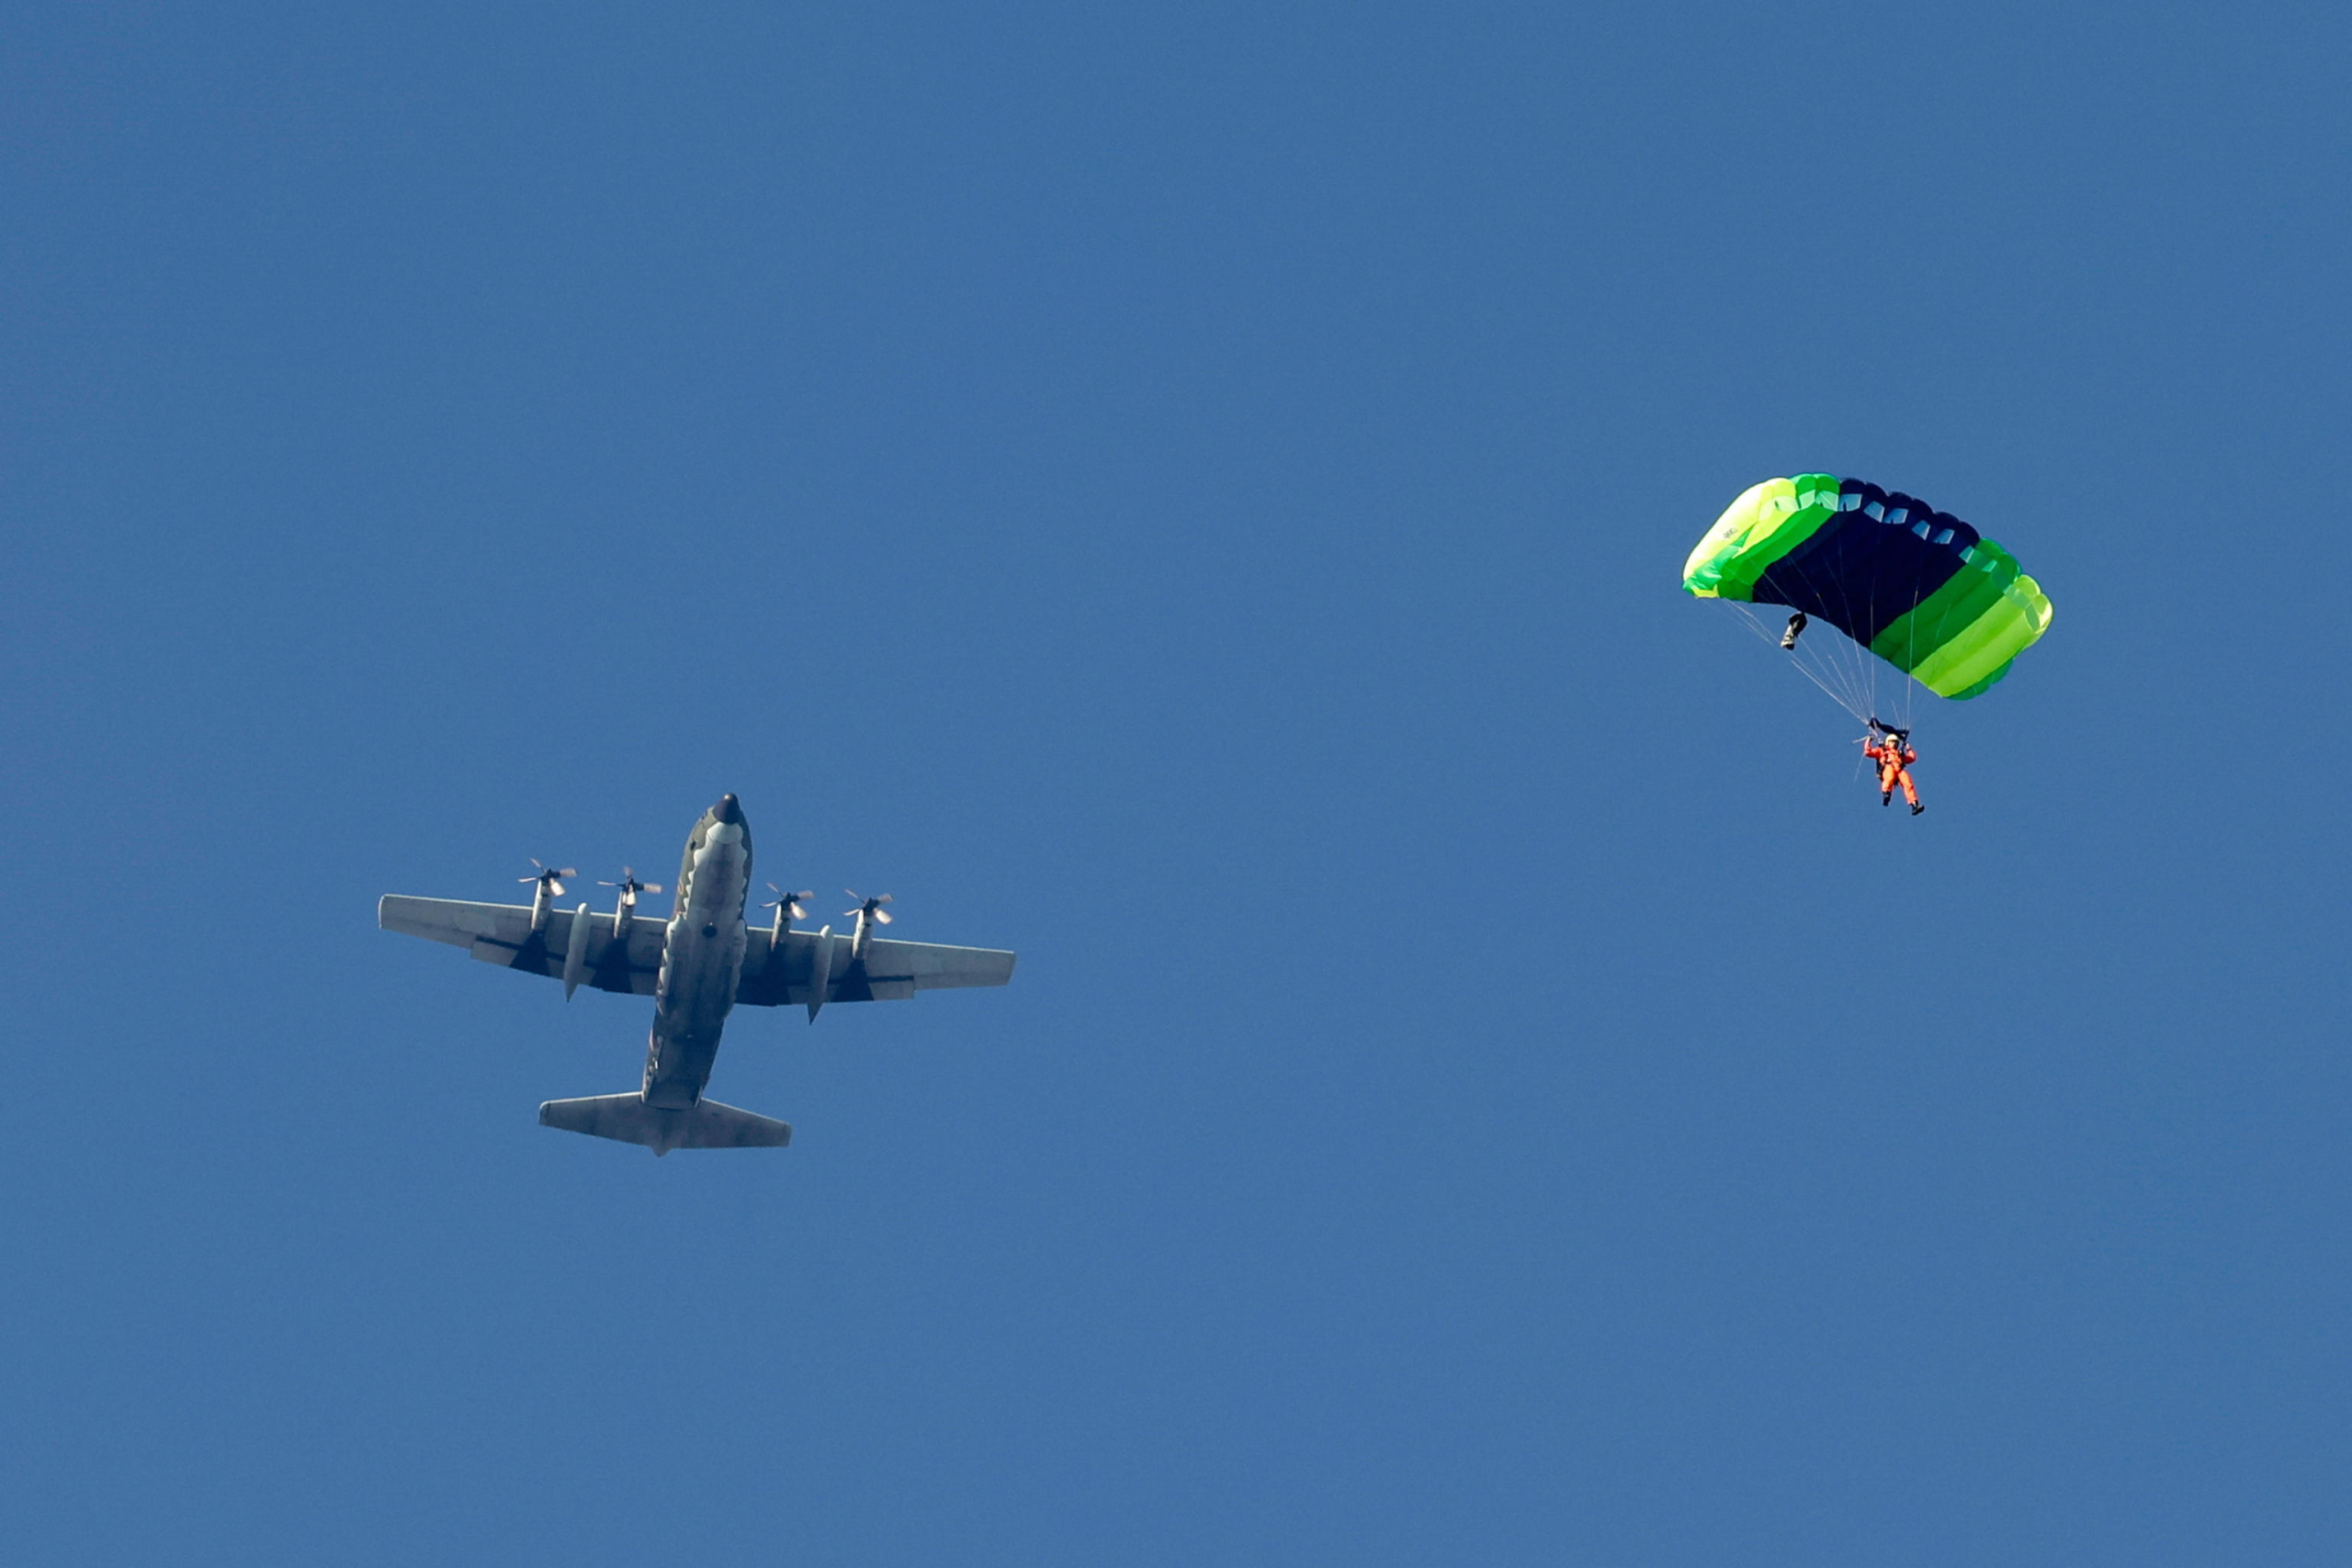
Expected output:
(1891, 749)
(1796, 629)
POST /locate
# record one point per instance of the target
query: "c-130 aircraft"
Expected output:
(696, 967)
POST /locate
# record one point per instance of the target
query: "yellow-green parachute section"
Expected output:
(1918, 588)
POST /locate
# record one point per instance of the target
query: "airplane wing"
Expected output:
(502, 934)
(890, 971)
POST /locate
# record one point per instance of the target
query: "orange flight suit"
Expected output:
(1894, 759)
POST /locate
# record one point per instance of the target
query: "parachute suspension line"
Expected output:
(1855, 683)
(1819, 661)
(1910, 641)
(1853, 663)
(1899, 699)
(1904, 700)
(1850, 664)
(1872, 621)
(1765, 636)
(1845, 699)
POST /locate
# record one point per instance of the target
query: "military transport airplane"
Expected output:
(696, 966)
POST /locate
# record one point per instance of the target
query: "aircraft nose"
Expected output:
(729, 809)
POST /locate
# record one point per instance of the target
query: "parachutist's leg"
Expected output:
(1910, 793)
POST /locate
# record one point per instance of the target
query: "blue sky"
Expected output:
(1192, 494)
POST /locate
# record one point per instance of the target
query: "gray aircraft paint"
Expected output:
(702, 959)
(698, 966)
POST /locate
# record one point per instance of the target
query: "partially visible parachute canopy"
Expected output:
(1918, 588)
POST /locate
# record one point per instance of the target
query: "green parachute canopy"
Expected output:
(1916, 587)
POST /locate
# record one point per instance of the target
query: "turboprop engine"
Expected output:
(870, 913)
(551, 888)
(788, 908)
(625, 904)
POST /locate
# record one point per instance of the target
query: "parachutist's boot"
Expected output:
(1885, 797)
(1917, 807)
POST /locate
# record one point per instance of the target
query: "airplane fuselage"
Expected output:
(698, 964)
(702, 958)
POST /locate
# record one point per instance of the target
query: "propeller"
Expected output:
(630, 886)
(791, 903)
(870, 907)
(549, 878)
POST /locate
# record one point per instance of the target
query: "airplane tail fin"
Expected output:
(626, 1117)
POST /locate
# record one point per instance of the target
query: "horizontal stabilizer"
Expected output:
(708, 1125)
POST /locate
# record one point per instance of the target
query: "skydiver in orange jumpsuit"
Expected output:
(1893, 753)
